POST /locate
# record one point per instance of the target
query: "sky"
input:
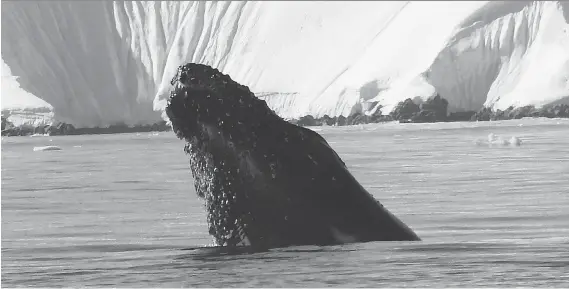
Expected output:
(13, 96)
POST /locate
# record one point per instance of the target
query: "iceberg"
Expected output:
(101, 63)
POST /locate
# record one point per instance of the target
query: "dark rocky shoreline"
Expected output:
(433, 110)
(68, 129)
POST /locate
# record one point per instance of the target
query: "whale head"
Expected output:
(224, 125)
(267, 182)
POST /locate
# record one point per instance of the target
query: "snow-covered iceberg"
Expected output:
(99, 63)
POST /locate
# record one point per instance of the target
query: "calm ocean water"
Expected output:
(121, 211)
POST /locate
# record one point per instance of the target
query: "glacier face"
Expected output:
(98, 63)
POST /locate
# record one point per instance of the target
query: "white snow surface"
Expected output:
(100, 62)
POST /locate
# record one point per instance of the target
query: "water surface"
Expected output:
(120, 211)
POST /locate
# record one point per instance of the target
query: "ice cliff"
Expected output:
(98, 63)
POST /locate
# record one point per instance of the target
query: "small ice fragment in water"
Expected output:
(47, 148)
(515, 141)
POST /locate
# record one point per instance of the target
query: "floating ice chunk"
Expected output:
(497, 140)
(47, 148)
(515, 141)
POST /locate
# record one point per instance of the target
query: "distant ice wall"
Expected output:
(70, 54)
(99, 63)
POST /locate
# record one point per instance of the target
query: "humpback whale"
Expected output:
(266, 182)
